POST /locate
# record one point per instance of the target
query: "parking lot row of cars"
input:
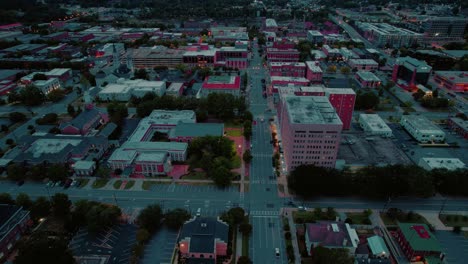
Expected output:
(65, 184)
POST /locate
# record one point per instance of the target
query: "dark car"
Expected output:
(67, 183)
(21, 182)
(263, 80)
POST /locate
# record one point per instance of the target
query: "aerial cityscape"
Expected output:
(243, 131)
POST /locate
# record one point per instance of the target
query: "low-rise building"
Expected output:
(459, 126)
(123, 90)
(82, 124)
(14, 222)
(47, 86)
(374, 125)
(422, 129)
(342, 100)
(280, 80)
(315, 36)
(204, 239)
(332, 235)
(314, 73)
(84, 167)
(417, 242)
(456, 81)
(441, 163)
(331, 52)
(176, 89)
(367, 79)
(221, 84)
(282, 55)
(348, 54)
(287, 69)
(186, 132)
(363, 64)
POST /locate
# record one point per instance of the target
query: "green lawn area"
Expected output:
(236, 162)
(454, 220)
(234, 133)
(358, 218)
(245, 245)
(310, 216)
(465, 233)
(416, 218)
(196, 175)
(117, 184)
(129, 185)
(231, 124)
(99, 183)
(147, 184)
(83, 182)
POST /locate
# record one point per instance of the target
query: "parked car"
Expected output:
(20, 182)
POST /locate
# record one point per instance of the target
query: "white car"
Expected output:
(277, 252)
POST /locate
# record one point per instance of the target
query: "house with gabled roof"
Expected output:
(83, 123)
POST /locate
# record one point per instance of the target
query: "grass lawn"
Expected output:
(234, 133)
(236, 162)
(117, 184)
(196, 175)
(147, 184)
(358, 218)
(245, 245)
(233, 124)
(83, 182)
(465, 233)
(99, 183)
(454, 220)
(310, 216)
(416, 218)
(129, 185)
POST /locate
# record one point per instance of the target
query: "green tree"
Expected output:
(247, 156)
(244, 260)
(40, 208)
(103, 172)
(322, 255)
(245, 228)
(42, 248)
(16, 117)
(57, 172)
(56, 95)
(71, 110)
(102, 216)
(5, 198)
(32, 96)
(150, 218)
(61, 205)
(142, 236)
(331, 69)
(368, 100)
(345, 70)
(16, 172)
(141, 74)
(221, 176)
(176, 218)
(117, 112)
(235, 215)
(24, 201)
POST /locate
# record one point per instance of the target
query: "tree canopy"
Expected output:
(176, 218)
(41, 248)
(322, 255)
(150, 218)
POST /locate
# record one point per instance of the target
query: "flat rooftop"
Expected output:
(368, 76)
(313, 66)
(445, 163)
(412, 63)
(454, 76)
(374, 122)
(329, 91)
(422, 124)
(363, 61)
(311, 110)
(50, 145)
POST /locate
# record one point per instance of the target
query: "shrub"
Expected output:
(286, 227)
(287, 235)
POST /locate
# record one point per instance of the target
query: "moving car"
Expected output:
(277, 252)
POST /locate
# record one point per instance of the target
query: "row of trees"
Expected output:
(221, 106)
(378, 182)
(366, 100)
(39, 172)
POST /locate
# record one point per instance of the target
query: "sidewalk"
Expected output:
(238, 244)
(293, 231)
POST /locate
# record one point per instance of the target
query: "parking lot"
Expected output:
(455, 246)
(365, 150)
(110, 246)
(161, 247)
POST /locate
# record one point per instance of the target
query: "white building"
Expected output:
(124, 89)
(374, 125)
(84, 167)
(47, 86)
(382, 34)
(422, 129)
(441, 163)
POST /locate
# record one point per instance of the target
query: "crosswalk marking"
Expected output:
(261, 155)
(257, 213)
(263, 182)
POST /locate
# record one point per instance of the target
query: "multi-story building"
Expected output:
(444, 28)
(280, 80)
(282, 55)
(383, 34)
(176, 89)
(348, 54)
(232, 57)
(441, 163)
(199, 55)
(287, 69)
(220, 84)
(149, 159)
(229, 34)
(123, 90)
(83, 123)
(411, 71)
(310, 130)
(203, 240)
(331, 52)
(422, 129)
(363, 64)
(417, 242)
(459, 126)
(373, 125)
(342, 100)
(150, 57)
(456, 81)
(315, 36)
(14, 222)
(367, 79)
(186, 132)
(314, 73)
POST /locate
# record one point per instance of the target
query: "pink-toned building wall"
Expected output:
(282, 55)
(344, 106)
(292, 82)
(288, 69)
(313, 74)
(309, 143)
(220, 250)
